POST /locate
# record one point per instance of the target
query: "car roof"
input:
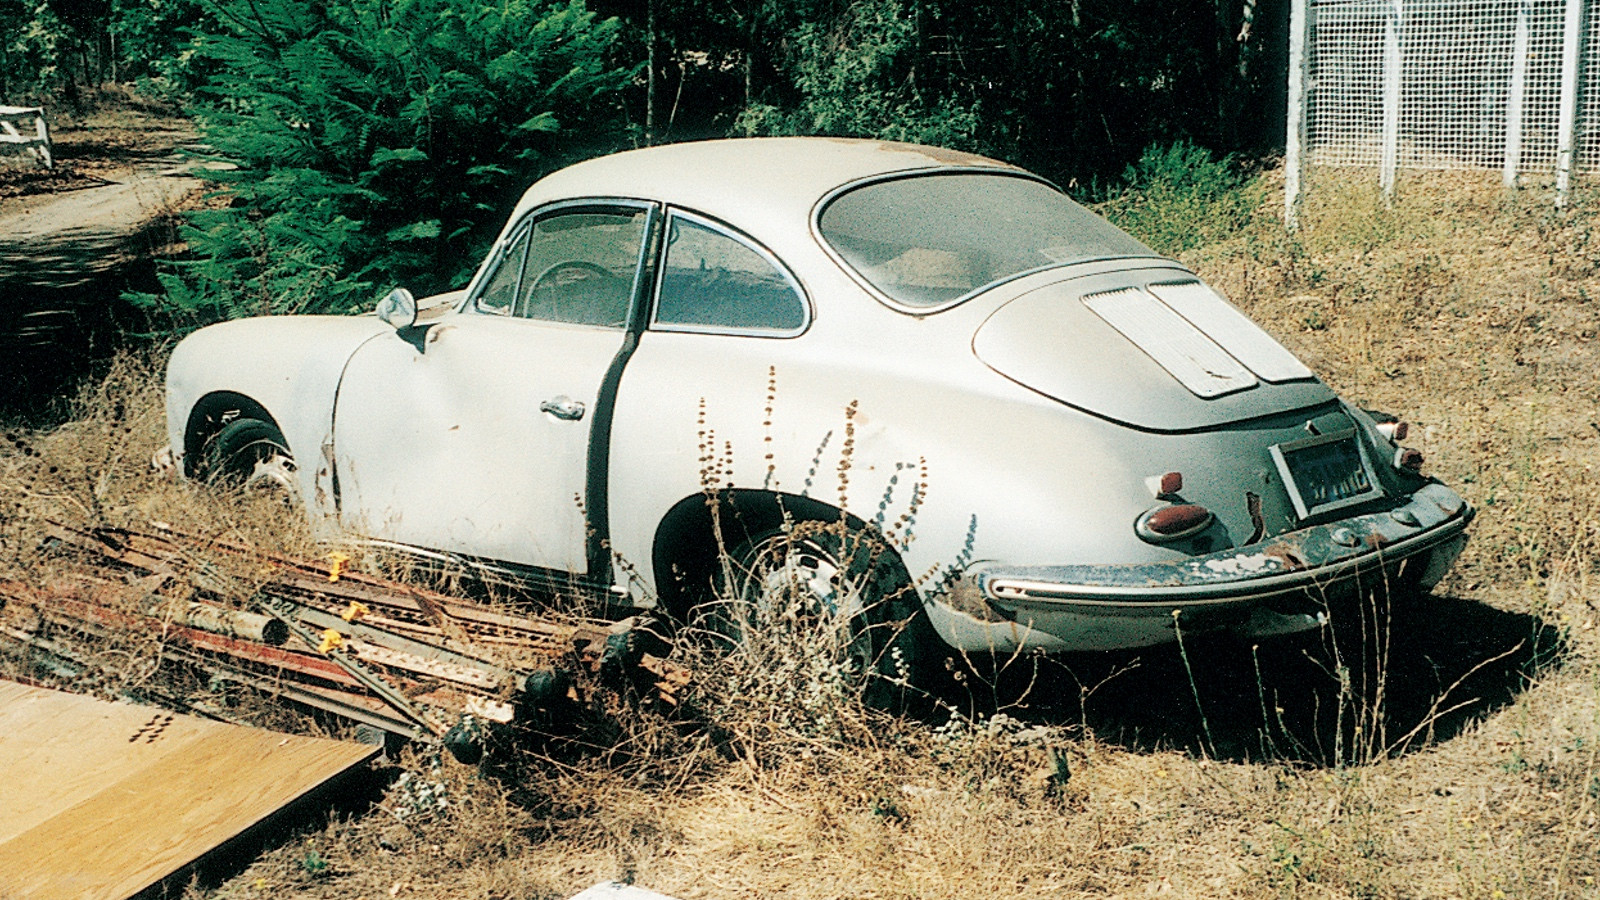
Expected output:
(736, 179)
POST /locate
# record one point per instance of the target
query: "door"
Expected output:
(471, 434)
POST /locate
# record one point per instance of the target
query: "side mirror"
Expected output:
(399, 309)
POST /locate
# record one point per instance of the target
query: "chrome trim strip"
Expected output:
(744, 240)
(1016, 591)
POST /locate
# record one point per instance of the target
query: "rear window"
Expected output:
(929, 240)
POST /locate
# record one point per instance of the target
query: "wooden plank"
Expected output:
(104, 800)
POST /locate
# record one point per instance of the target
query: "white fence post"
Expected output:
(13, 140)
(1571, 40)
(1293, 161)
(1516, 94)
(1391, 97)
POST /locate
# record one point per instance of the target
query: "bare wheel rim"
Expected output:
(250, 454)
(797, 579)
(272, 472)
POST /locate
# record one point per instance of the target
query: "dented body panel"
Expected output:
(289, 365)
(1010, 441)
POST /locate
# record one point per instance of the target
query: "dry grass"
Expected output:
(1474, 772)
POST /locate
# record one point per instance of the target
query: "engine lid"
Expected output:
(1155, 349)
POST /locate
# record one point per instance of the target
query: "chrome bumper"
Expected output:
(1280, 585)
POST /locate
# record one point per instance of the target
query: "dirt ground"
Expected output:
(117, 167)
(102, 143)
(74, 239)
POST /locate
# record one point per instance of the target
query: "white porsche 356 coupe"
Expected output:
(1050, 437)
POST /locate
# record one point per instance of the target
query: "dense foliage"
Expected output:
(1075, 90)
(856, 75)
(29, 57)
(1179, 197)
(57, 48)
(379, 142)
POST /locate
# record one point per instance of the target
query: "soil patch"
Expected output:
(97, 145)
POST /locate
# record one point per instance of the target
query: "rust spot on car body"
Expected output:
(1289, 555)
(940, 155)
(1258, 523)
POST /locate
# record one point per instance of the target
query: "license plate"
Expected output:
(1325, 473)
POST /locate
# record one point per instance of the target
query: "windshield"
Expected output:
(930, 239)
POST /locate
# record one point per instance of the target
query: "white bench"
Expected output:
(23, 131)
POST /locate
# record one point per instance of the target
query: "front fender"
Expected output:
(288, 365)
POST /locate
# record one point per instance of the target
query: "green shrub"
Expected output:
(155, 41)
(30, 50)
(1180, 196)
(380, 142)
(856, 76)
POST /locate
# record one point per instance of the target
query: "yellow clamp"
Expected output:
(331, 640)
(354, 611)
(336, 563)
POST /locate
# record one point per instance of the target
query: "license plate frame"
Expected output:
(1326, 472)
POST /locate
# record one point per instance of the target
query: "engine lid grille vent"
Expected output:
(1201, 340)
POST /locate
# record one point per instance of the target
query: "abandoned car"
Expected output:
(782, 351)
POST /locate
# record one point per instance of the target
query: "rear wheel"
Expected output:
(250, 454)
(838, 590)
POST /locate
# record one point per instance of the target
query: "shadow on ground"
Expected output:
(66, 316)
(1349, 694)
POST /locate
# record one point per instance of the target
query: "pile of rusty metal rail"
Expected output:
(409, 662)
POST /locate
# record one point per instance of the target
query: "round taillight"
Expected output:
(1169, 523)
(1409, 459)
(1394, 431)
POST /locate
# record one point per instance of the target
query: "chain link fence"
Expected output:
(1444, 84)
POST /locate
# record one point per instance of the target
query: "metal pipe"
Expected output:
(232, 623)
(1299, 15)
(1393, 23)
(1514, 96)
(1571, 45)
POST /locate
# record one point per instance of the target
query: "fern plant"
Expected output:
(856, 76)
(380, 142)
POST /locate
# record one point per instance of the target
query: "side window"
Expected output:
(501, 291)
(581, 267)
(712, 280)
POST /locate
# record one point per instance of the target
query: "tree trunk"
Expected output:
(650, 77)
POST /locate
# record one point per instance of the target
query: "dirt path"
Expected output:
(118, 173)
(63, 240)
(72, 240)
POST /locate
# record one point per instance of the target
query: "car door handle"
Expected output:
(563, 408)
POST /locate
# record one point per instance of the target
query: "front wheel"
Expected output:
(840, 591)
(251, 454)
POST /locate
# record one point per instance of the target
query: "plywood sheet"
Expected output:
(103, 800)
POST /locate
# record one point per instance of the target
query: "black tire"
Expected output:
(249, 453)
(819, 572)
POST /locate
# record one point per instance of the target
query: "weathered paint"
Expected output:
(893, 419)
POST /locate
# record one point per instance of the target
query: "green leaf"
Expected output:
(404, 155)
(544, 122)
(416, 231)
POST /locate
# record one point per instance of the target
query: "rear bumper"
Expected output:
(1281, 585)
